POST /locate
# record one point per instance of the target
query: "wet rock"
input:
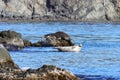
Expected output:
(27, 43)
(11, 40)
(56, 39)
(37, 44)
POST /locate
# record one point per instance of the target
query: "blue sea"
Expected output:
(98, 59)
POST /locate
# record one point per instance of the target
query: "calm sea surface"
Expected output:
(100, 54)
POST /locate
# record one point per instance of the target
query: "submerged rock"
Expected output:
(56, 39)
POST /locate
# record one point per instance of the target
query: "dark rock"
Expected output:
(9, 34)
(11, 40)
(27, 43)
(56, 39)
(37, 44)
(12, 47)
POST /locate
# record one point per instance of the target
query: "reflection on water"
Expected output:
(99, 55)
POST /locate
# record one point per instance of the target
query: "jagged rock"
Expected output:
(56, 39)
(83, 10)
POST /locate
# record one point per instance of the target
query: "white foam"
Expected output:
(25, 68)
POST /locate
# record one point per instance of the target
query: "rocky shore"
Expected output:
(60, 10)
(10, 71)
(11, 40)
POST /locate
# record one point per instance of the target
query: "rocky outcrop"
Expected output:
(6, 63)
(13, 40)
(63, 10)
(49, 72)
(10, 71)
(56, 39)
(46, 72)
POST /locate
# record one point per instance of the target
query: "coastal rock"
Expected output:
(50, 72)
(117, 6)
(44, 73)
(10, 71)
(6, 63)
(27, 43)
(11, 40)
(64, 10)
(37, 44)
(56, 39)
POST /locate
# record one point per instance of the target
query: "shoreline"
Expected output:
(6, 20)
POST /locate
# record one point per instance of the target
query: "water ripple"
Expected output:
(98, 60)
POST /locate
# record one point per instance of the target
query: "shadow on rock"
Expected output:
(55, 39)
(13, 40)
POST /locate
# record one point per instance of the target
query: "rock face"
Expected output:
(10, 71)
(56, 39)
(6, 63)
(13, 40)
(84, 10)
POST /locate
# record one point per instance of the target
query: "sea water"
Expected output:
(100, 54)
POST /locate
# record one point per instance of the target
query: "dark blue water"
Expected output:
(100, 54)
